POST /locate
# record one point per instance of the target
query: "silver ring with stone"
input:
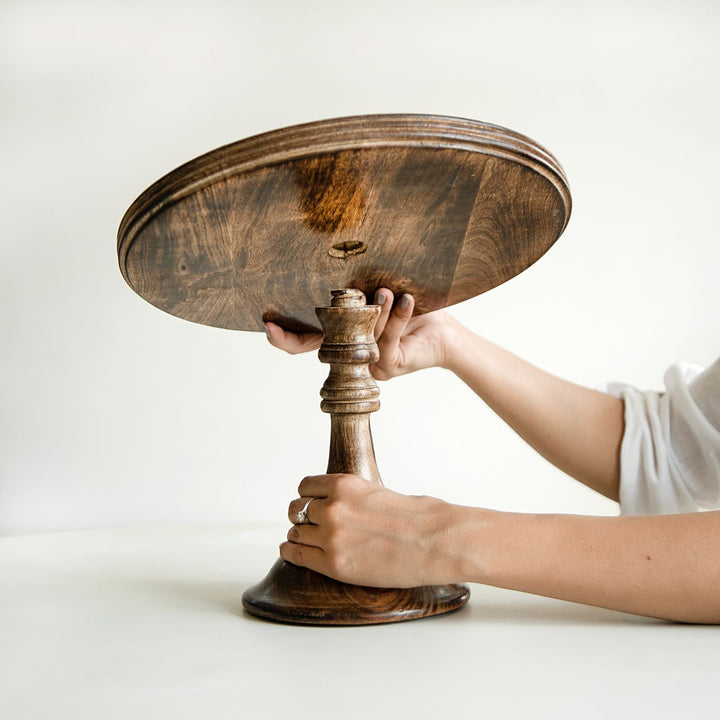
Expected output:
(302, 516)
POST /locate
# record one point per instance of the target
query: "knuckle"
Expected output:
(334, 542)
(335, 483)
(339, 564)
(332, 537)
(340, 497)
(332, 513)
(346, 479)
(427, 503)
(354, 483)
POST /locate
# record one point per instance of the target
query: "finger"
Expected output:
(396, 325)
(318, 486)
(310, 535)
(305, 555)
(297, 506)
(384, 298)
(292, 343)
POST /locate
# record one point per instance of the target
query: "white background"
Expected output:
(113, 413)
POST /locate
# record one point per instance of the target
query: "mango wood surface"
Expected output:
(300, 596)
(265, 228)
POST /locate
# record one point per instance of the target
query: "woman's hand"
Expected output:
(406, 343)
(361, 533)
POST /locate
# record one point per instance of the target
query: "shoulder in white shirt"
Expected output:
(670, 456)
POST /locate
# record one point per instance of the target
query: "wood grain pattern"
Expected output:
(350, 392)
(265, 228)
(293, 594)
(298, 595)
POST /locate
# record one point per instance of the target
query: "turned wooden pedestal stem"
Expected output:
(293, 594)
(350, 392)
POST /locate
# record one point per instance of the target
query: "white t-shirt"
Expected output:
(670, 455)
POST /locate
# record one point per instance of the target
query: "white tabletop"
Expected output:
(147, 623)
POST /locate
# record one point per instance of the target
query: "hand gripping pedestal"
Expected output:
(293, 594)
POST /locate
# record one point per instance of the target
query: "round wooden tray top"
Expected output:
(265, 228)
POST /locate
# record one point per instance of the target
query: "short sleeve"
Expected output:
(670, 454)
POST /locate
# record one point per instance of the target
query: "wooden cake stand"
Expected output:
(272, 227)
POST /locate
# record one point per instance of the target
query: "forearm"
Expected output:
(577, 429)
(660, 566)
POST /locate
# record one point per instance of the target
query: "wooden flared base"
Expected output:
(294, 594)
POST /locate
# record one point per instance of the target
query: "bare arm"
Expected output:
(664, 566)
(577, 429)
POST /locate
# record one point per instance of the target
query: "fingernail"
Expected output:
(267, 329)
(380, 298)
(405, 302)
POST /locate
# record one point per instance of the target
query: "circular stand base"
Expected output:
(294, 594)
